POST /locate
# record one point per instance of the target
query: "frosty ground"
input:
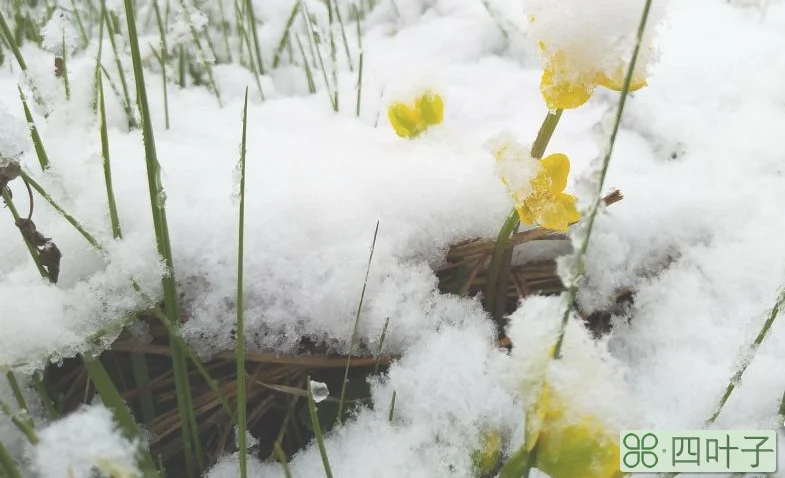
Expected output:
(697, 236)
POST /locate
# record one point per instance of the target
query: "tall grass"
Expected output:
(191, 442)
(240, 347)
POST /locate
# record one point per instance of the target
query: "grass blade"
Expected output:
(14, 384)
(356, 326)
(240, 348)
(286, 35)
(318, 54)
(191, 442)
(112, 399)
(343, 35)
(8, 465)
(282, 459)
(43, 158)
(161, 57)
(306, 66)
(391, 413)
(113, 216)
(579, 267)
(317, 431)
(129, 112)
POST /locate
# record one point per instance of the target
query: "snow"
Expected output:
(84, 442)
(697, 236)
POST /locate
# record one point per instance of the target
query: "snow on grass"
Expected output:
(697, 236)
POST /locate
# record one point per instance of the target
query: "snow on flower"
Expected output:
(537, 187)
(588, 44)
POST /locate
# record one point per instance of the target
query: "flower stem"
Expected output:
(498, 271)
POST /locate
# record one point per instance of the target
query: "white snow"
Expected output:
(697, 237)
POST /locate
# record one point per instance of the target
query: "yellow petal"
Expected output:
(526, 214)
(617, 82)
(557, 168)
(431, 108)
(406, 121)
(486, 458)
(562, 94)
(558, 213)
(569, 448)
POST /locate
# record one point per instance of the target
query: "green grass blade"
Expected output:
(317, 431)
(14, 384)
(285, 36)
(43, 394)
(113, 216)
(8, 465)
(80, 24)
(391, 413)
(282, 460)
(68, 217)
(252, 24)
(43, 158)
(112, 399)
(30, 247)
(162, 61)
(353, 339)
(360, 66)
(579, 267)
(202, 56)
(11, 40)
(333, 52)
(22, 422)
(381, 346)
(318, 53)
(343, 35)
(191, 442)
(65, 70)
(306, 66)
(127, 104)
(240, 348)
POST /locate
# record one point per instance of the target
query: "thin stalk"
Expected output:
(343, 35)
(162, 61)
(252, 24)
(315, 48)
(44, 396)
(333, 53)
(579, 268)
(306, 66)
(71, 220)
(381, 346)
(317, 431)
(16, 390)
(14, 45)
(205, 64)
(129, 113)
(353, 339)
(163, 58)
(43, 158)
(98, 57)
(240, 346)
(285, 36)
(360, 66)
(191, 443)
(82, 31)
(181, 66)
(225, 31)
(391, 413)
(22, 422)
(113, 216)
(497, 282)
(282, 460)
(749, 356)
(30, 247)
(65, 70)
(112, 399)
(8, 466)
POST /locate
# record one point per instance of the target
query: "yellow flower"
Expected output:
(486, 458)
(568, 446)
(411, 121)
(568, 80)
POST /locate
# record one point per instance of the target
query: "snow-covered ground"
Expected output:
(698, 236)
